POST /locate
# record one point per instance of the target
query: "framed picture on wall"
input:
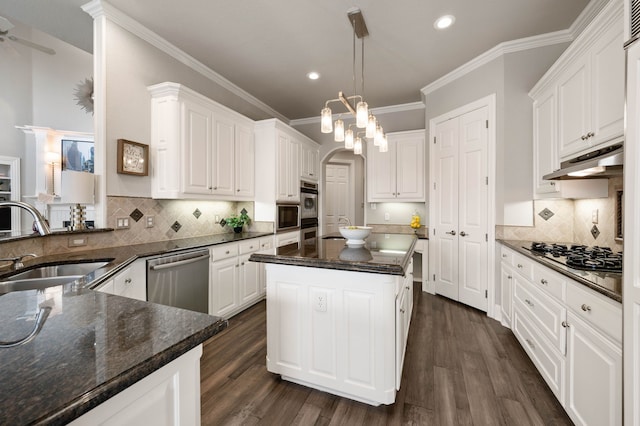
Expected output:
(77, 155)
(133, 158)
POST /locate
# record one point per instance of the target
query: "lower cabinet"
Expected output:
(404, 309)
(572, 334)
(130, 282)
(235, 283)
(168, 396)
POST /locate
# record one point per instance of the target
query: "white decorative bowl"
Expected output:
(355, 235)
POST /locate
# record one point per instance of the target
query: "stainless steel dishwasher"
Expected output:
(180, 280)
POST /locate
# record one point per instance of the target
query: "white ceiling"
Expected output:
(268, 47)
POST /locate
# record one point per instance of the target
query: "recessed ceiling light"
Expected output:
(313, 75)
(444, 22)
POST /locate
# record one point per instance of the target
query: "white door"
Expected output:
(223, 156)
(249, 279)
(337, 190)
(197, 149)
(409, 163)
(459, 188)
(223, 280)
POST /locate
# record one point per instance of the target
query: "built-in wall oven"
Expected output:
(308, 232)
(287, 217)
(308, 200)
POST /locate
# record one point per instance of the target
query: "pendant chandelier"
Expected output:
(365, 120)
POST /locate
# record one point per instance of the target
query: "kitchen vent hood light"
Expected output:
(588, 172)
(603, 162)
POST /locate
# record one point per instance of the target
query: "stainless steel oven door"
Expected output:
(308, 205)
(308, 236)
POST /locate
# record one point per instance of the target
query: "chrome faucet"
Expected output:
(39, 221)
(17, 261)
(344, 219)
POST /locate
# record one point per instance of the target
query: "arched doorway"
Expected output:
(343, 184)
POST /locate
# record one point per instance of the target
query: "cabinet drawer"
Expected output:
(604, 314)
(249, 246)
(266, 243)
(287, 238)
(223, 251)
(545, 313)
(523, 266)
(506, 255)
(550, 281)
(550, 363)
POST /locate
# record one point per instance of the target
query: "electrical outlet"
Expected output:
(77, 241)
(321, 302)
(150, 221)
(373, 206)
(122, 222)
(594, 216)
(217, 218)
(387, 216)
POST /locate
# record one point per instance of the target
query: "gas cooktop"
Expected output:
(599, 259)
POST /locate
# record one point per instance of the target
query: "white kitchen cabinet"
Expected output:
(399, 174)
(573, 335)
(208, 148)
(594, 375)
(288, 169)
(168, 396)
(130, 282)
(310, 165)
(266, 243)
(545, 141)
(587, 82)
(234, 281)
(404, 309)
(286, 238)
(506, 291)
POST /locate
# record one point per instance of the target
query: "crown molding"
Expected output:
(98, 8)
(391, 109)
(586, 16)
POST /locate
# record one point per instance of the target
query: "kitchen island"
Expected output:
(338, 316)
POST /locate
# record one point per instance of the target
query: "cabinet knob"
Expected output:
(402, 311)
(529, 303)
(584, 137)
(407, 287)
(215, 188)
(590, 135)
(520, 265)
(237, 190)
(128, 281)
(565, 324)
(463, 234)
(531, 345)
(552, 183)
(509, 277)
(504, 255)
(585, 307)
(543, 281)
(210, 188)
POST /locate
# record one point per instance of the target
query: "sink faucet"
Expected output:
(344, 219)
(38, 220)
(17, 261)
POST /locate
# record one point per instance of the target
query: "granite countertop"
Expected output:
(381, 254)
(606, 283)
(91, 346)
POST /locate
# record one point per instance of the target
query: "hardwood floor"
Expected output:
(461, 368)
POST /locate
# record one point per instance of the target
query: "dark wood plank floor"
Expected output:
(461, 368)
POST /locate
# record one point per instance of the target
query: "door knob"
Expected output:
(451, 233)
(463, 234)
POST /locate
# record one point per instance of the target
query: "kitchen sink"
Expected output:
(65, 270)
(35, 283)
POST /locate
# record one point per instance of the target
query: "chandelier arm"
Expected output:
(346, 103)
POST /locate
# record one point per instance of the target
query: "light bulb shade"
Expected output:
(339, 131)
(348, 139)
(357, 146)
(362, 114)
(371, 126)
(384, 144)
(377, 139)
(326, 126)
(77, 187)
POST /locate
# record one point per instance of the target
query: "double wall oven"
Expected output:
(308, 213)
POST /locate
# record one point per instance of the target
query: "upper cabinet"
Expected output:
(199, 149)
(399, 174)
(309, 162)
(584, 93)
(288, 168)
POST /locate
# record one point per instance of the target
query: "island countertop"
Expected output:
(381, 254)
(92, 345)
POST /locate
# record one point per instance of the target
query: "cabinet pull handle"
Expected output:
(451, 232)
(565, 324)
(509, 277)
(584, 137)
(529, 303)
(128, 281)
(504, 255)
(210, 188)
(585, 307)
(402, 311)
(215, 188)
(407, 287)
(520, 265)
(237, 266)
(531, 345)
(552, 183)
(590, 135)
(463, 234)
(237, 190)
(543, 281)
(242, 263)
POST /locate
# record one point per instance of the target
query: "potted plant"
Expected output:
(238, 221)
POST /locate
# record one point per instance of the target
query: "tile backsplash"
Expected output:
(562, 220)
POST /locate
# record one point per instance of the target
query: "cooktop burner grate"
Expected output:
(583, 257)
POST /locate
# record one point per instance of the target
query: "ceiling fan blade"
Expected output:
(33, 45)
(5, 25)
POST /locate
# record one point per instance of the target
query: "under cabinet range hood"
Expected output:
(601, 163)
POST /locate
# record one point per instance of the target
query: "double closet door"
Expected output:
(458, 244)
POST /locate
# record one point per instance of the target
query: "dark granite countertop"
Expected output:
(381, 254)
(91, 346)
(605, 283)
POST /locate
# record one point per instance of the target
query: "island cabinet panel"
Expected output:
(335, 330)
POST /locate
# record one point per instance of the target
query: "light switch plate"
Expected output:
(594, 216)
(150, 221)
(122, 222)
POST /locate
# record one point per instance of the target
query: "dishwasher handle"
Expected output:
(178, 263)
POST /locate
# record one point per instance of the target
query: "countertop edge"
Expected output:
(517, 246)
(89, 400)
(326, 264)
